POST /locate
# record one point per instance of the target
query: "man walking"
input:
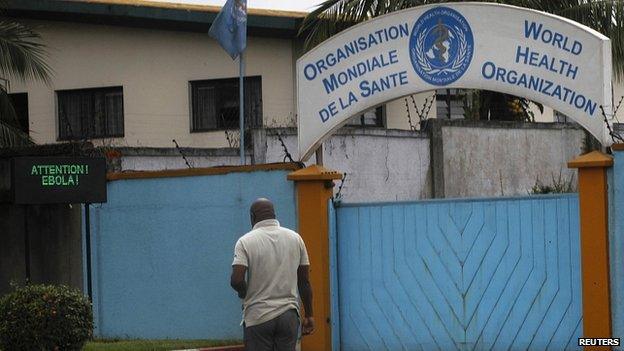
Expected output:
(277, 266)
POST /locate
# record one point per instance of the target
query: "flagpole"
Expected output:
(241, 104)
(230, 30)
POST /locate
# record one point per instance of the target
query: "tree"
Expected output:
(22, 57)
(607, 17)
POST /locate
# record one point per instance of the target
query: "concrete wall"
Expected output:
(476, 159)
(380, 164)
(462, 159)
(55, 244)
(154, 67)
(162, 250)
(469, 158)
(154, 159)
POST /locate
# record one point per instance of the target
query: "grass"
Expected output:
(154, 345)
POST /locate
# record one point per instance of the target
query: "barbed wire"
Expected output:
(287, 155)
(615, 136)
(338, 197)
(409, 116)
(422, 113)
(230, 136)
(72, 138)
(182, 154)
(617, 108)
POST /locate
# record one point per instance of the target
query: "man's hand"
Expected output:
(305, 291)
(308, 326)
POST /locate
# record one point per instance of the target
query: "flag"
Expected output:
(230, 27)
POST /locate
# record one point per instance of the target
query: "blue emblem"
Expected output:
(441, 46)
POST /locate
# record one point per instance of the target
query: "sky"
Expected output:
(291, 5)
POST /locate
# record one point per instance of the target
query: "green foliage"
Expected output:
(22, 57)
(10, 133)
(44, 317)
(559, 185)
(484, 105)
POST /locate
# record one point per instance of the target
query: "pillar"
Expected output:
(593, 203)
(314, 189)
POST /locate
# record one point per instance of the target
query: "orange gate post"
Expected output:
(593, 202)
(314, 189)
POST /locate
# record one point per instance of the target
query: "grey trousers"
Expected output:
(278, 334)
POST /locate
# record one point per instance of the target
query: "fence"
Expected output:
(162, 249)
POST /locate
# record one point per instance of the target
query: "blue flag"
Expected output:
(230, 27)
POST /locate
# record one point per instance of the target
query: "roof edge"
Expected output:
(153, 14)
(193, 7)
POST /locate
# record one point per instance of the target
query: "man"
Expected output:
(277, 266)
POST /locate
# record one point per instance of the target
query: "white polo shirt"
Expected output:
(272, 255)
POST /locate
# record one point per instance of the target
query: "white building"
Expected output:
(140, 74)
(135, 75)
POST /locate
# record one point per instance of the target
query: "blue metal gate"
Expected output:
(486, 274)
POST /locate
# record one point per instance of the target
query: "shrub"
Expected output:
(559, 185)
(44, 317)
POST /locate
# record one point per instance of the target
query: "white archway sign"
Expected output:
(549, 59)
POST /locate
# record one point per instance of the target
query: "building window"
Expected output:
(19, 101)
(214, 104)
(90, 113)
(371, 118)
(450, 103)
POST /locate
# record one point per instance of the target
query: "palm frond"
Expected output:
(333, 16)
(7, 112)
(11, 136)
(607, 17)
(22, 55)
(10, 133)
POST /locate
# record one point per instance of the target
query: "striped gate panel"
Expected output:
(497, 274)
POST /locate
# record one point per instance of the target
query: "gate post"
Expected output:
(593, 203)
(314, 189)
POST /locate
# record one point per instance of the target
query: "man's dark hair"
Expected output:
(260, 210)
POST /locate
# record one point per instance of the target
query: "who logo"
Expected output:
(441, 46)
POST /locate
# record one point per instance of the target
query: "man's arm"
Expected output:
(237, 280)
(305, 291)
